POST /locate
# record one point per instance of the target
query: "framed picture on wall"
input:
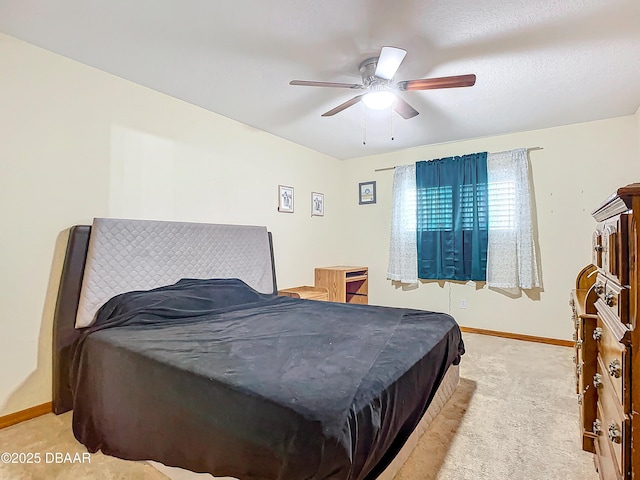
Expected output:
(285, 199)
(317, 204)
(367, 192)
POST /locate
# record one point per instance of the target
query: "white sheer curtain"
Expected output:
(511, 258)
(403, 251)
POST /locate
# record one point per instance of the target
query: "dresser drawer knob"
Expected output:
(615, 435)
(597, 380)
(615, 369)
(610, 299)
(597, 333)
(599, 288)
(597, 427)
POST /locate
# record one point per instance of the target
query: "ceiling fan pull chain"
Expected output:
(393, 137)
(364, 132)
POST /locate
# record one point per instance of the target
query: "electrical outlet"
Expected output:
(463, 303)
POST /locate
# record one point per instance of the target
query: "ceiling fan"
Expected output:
(377, 74)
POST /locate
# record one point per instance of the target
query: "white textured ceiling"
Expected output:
(538, 63)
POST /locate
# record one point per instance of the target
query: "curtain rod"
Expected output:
(393, 168)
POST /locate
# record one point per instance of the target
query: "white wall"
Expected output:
(638, 135)
(78, 143)
(75, 143)
(578, 167)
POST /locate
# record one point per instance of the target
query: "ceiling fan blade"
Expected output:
(434, 83)
(343, 106)
(405, 110)
(308, 83)
(389, 62)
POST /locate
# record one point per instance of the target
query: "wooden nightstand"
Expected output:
(310, 293)
(345, 284)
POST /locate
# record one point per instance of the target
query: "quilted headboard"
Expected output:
(114, 256)
(126, 255)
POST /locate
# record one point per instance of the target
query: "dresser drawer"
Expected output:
(613, 362)
(613, 251)
(613, 301)
(614, 434)
(586, 359)
(596, 248)
(606, 461)
(585, 351)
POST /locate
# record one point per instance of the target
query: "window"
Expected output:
(500, 207)
(438, 202)
(438, 212)
(500, 201)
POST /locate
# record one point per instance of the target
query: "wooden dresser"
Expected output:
(605, 304)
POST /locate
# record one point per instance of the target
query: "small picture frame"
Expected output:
(367, 192)
(285, 199)
(317, 204)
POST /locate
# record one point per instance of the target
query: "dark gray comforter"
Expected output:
(211, 376)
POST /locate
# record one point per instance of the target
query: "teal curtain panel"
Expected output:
(452, 218)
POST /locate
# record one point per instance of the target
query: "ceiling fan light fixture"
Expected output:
(379, 100)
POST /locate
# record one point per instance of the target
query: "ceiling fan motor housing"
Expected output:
(369, 79)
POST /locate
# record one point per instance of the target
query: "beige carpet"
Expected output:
(514, 416)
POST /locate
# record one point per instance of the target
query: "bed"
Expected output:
(186, 356)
